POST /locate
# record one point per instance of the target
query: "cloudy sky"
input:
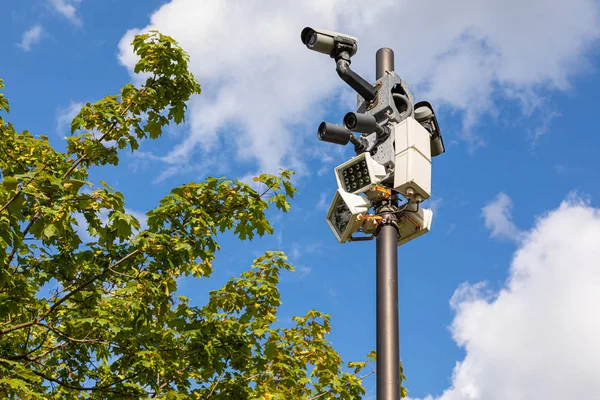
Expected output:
(499, 300)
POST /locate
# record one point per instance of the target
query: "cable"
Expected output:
(405, 210)
(415, 211)
(405, 100)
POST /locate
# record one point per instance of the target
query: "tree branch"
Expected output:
(346, 384)
(18, 193)
(25, 356)
(66, 174)
(25, 232)
(216, 384)
(112, 128)
(104, 388)
(34, 359)
(15, 160)
(75, 340)
(66, 297)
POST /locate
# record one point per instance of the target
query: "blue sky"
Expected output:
(515, 88)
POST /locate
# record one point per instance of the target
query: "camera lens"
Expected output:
(350, 121)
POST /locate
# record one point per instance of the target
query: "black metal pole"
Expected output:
(388, 326)
(388, 329)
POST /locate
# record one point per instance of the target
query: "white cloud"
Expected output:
(498, 218)
(140, 216)
(451, 228)
(82, 226)
(561, 169)
(300, 249)
(64, 116)
(165, 174)
(32, 36)
(544, 126)
(295, 253)
(536, 339)
(68, 9)
(264, 92)
(434, 204)
(303, 270)
(324, 200)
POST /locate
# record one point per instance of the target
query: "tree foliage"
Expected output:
(113, 325)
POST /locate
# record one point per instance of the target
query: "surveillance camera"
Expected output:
(334, 133)
(412, 165)
(426, 117)
(413, 224)
(328, 42)
(344, 212)
(362, 123)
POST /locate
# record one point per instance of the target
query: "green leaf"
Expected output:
(357, 365)
(50, 231)
(10, 183)
(372, 356)
(14, 383)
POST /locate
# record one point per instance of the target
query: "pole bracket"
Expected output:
(387, 218)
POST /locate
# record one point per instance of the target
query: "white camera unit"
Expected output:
(326, 42)
(412, 175)
(344, 212)
(359, 174)
(411, 225)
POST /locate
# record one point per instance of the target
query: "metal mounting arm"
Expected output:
(355, 81)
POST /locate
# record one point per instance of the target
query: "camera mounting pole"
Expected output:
(388, 327)
(397, 140)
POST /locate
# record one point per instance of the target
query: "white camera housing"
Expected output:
(412, 175)
(344, 212)
(359, 174)
(411, 225)
(325, 41)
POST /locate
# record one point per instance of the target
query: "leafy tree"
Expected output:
(114, 327)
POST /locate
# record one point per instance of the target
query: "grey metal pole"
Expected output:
(388, 329)
(388, 326)
(384, 61)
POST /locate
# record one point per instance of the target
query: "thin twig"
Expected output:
(66, 297)
(13, 252)
(18, 193)
(214, 387)
(104, 388)
(346, 384)
(34, 359)
(25, 356)
(165, 384)
(122, 274)
(15, 160)
(72, 339)
(66, 174)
